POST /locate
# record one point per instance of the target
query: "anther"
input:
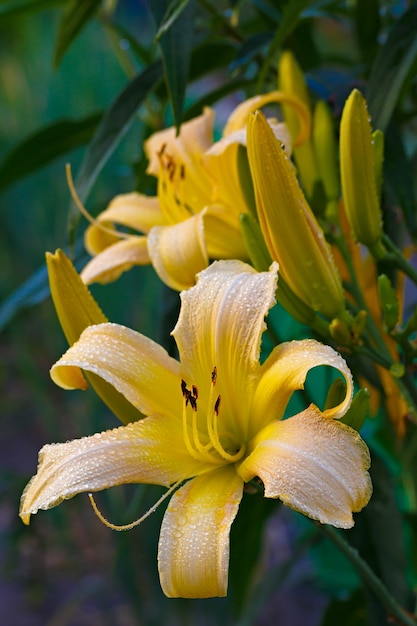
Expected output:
(191, 399)
(214, 376)
(195, 392)
(161, 150)
(217, 405)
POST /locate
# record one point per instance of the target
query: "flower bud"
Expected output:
(326, 152)
(76, 309)
(292, 233)
(291, 81)
(359, 174)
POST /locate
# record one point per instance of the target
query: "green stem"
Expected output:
(396, 257)
(395, 612)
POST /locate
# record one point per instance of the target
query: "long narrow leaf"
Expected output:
(44, 146)
(33, 291)
(173, 11)
(291, 17)
(13, 8)
(74, 18)
(391, 69)
(114, 125)
(175, 45)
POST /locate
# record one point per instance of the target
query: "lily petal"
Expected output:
(136, 366)
(132, 210)
(108, 265)
(239, 116)
(221, 324)
(196, 136)
(178, 252)
(315, 465)
(194, 542)
(222, 234)
(285, 371)
(151, 451)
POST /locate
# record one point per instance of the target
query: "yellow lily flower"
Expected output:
(214, 421)
(292, 234)
(195, 216)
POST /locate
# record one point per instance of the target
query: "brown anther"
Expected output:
(193, 402)
(184, 388)
(171, 167)
(182, 171)
(194, 392)
(214, 376)
(161, 150)
(217, 405)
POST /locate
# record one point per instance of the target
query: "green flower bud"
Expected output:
(360, 187)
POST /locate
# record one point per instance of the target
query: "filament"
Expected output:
(83, 210)
(138, 521)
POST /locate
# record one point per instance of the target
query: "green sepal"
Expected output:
(76, 309)
(254, 242)
(397, 370)
(340, 331)
(389, 303)
(358, 410)
(245, 179)
(336, 394)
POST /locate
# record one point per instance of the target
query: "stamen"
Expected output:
(138, 521)
(83, 210)
(196, 449)
(213, 429)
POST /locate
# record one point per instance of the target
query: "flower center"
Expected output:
(171, 191)
(214, 445)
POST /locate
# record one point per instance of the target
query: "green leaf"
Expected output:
(367, 23)
(378, 535)
(215, 95)
(246, 539)
(391, 69)
(118, 32)
(46, 145)
(33, 291)
(14, 8)
(175, 42)
(291, 15)
(399, 180)
(173, 11)
(112, 128)
(74, 17)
